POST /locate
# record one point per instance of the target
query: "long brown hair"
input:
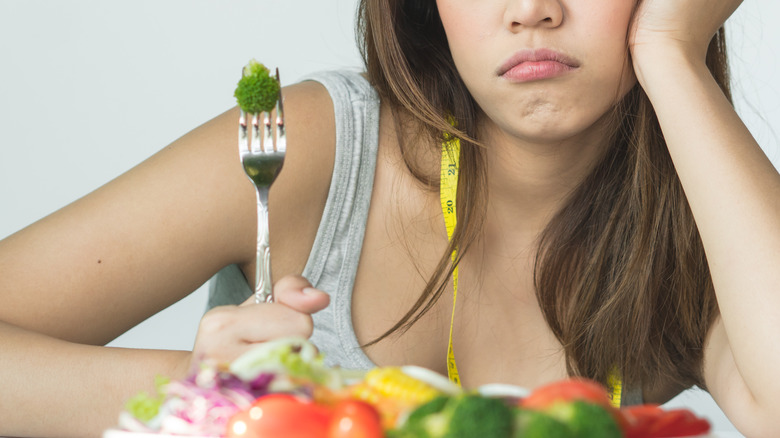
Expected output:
(620, 273)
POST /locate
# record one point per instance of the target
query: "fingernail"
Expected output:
(310, 290)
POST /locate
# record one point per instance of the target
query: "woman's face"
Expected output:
(541, 70)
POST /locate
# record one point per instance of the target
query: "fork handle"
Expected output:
(263, 284)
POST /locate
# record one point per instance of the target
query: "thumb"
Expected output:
(297, 293)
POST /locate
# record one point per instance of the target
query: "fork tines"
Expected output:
(266, 143)
(272, 140)
(281, 139)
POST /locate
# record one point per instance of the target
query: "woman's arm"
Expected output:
(99, 266)
(87, 273)
(734, 193)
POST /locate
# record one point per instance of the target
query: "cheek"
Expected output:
(470, 27)
(611, 15)
(467, 24)
(602, 22)
(452, 15)
(605, 26)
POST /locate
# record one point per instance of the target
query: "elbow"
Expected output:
(758, 420)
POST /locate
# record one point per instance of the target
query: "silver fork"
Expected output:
(262, 159)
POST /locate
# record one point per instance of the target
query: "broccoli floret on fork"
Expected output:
(258, 90)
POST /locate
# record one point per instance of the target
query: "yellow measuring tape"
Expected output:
(448, 191)
(615, 386)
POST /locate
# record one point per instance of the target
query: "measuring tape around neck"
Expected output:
(448, 191)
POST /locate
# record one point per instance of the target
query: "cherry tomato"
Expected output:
(570, 390)
(280, 415)
(355, 419)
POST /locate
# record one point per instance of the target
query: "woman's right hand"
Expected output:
(226, 332)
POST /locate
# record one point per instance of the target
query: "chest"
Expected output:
(499, 333)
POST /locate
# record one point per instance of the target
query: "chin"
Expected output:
(544, 125)
(554, 132)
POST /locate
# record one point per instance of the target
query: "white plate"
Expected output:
(503, 390)
(117, 433)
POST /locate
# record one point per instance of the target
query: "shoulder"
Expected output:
(311, 130)
(323, 110)
(315, 111)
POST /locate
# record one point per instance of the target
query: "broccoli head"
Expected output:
(416, 424)
(478, 416)
(257, 91)
(463, 416)
(586, 420)
(536, 424)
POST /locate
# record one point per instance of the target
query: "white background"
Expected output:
(89, 88)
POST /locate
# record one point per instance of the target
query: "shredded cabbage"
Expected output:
(294, 357)
(203, 403)
(144, 406)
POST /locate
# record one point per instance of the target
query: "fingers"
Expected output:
(256, 323)
(226, 332)
(296, 292)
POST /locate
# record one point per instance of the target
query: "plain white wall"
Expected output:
(89, 88)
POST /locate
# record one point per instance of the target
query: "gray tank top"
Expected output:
(333, 261)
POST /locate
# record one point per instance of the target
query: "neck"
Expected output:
(528, 181)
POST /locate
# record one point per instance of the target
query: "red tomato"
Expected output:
(566, 391)
(570, 390)
(280, 415)
(650, 421)
(678, 423)
(638, 419)
(355, 419)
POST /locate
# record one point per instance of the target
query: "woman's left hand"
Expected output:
(686, 25)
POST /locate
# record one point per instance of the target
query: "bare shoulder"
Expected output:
(311, 138)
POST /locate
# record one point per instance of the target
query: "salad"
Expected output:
(203, 403)
(283, 389)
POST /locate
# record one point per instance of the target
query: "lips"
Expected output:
(527, 65)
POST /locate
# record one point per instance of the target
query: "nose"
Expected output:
(533, 13)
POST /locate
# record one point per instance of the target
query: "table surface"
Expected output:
(114, 433)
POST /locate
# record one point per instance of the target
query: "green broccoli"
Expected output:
(257, 91)
(464, 416)
(586, 420)
(475, 415)
(535, 424)
(415, 425)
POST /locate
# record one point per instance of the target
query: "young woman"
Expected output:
(614, 218)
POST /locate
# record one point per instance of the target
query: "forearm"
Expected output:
(734, 193)
(56, 388)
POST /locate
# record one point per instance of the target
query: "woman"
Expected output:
(568, 195)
